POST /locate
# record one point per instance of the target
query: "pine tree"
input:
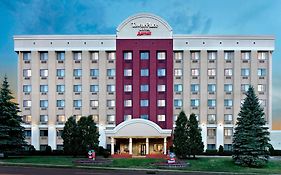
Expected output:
(195, 143)
(11, 132)
(251, 137)
(181, 136)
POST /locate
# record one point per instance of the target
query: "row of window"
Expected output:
(144, 72)
(143, 103)
(144, 55)
(43, 119)
(145, 88)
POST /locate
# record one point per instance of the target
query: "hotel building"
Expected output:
(134, 83)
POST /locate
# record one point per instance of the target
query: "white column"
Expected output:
(220, 136)
(35, 137)
(165, 145)
(52, 136)
(130, 146)
(204, 135)
(112, 145)
(147, 145)
(102, 138)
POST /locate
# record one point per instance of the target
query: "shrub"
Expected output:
(48, 149)
(211, 152)
(220, 150)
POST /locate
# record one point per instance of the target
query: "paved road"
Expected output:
(11, 170)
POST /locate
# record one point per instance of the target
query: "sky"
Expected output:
(215, 17)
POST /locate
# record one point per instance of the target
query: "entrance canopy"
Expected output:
(138, 128)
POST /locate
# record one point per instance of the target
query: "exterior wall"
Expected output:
(152, 46)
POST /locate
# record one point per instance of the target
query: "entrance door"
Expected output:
(143, 149)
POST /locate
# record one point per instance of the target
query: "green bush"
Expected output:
(48, 149)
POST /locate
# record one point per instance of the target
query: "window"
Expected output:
(178, 72)
(111, 72)
(60, 56)
(194, 102)
(110, 103)
(211, 146)
(127, 117)
(43, 118)
(43, 72)
(161, 55)
(262, 102)
(228, 72)
(195, 55)
(94, 55)
(59, 132)
(227, 147)
(211, 102)
(212, 55)
(261, 87)
(144, 88)
(228, 102)
(94, 72)
(110, 119)
(144, 103)
(60, 88)
(161, 88)
(144, 55)
(227, 118)
(43, 88)
(246, 55)
(27, 119)
(211, 118)
(128, 103)
(26, 103)
(77, 55)
(161, 72)
(127, 88)
(43, 103)
(161, 118)
(228, 88)
(26, 88)
(77, 72)
(110, 88)
(77, 117)
(95, 118)
(26, 73)
(228, 131)
(77, 103)
(94, 103)
(128, 55)
(178, 87)
(43, 133)
(262, 55)
(128, 72)
(60, 103)
(261, 72)
(60, 72)
(144, 116)
(144, 72)
(26, 56)
(211, 88)
(161, 103)
(178, 103)
(211, 72)
(228, 55)
(77, 88)
(245, 72)
(194, 87)
(27, 133)
(211, 132)
(195, 72)
(94, 88)
(43, 56)
(244, 87)
(111, 56)
(178, 55)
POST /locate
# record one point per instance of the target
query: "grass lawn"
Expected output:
(201, 164)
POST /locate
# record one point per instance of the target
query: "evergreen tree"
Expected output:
(71, 137)
(89, 133)
(181, 136)
(195, 143)
(11, 132)
(251, 137)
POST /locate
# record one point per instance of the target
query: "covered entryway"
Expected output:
(138, 137)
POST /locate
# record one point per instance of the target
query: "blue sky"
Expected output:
(239, 17)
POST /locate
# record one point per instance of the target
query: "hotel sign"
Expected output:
(144, 28)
